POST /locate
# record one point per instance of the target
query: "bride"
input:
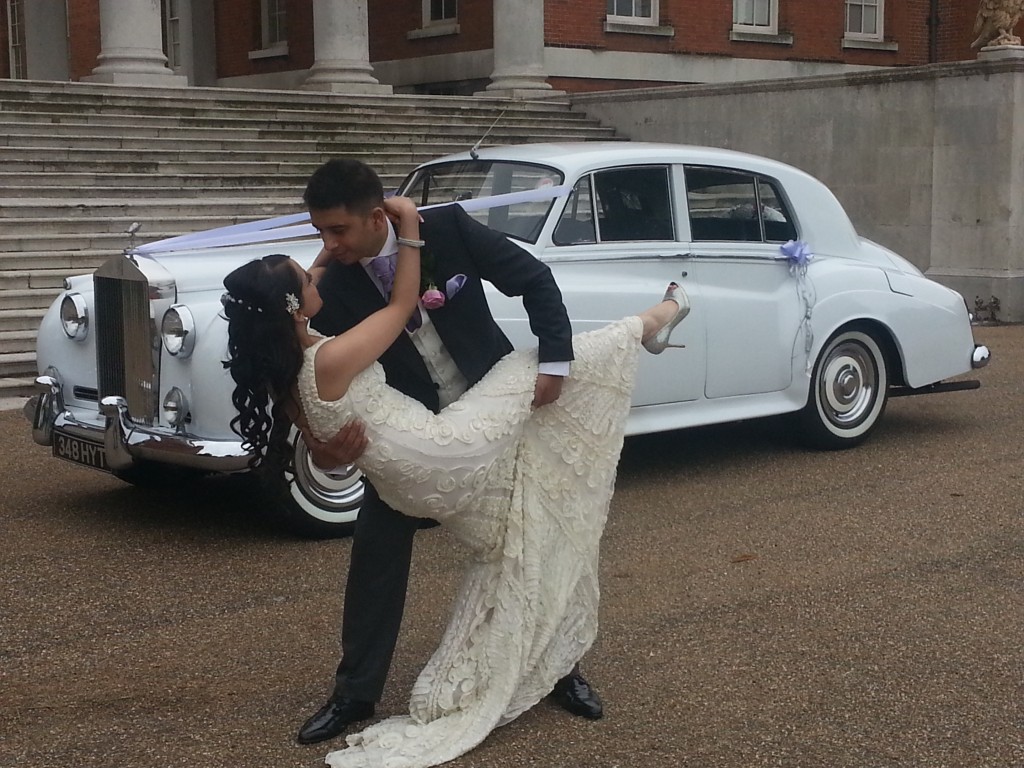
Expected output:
(526, 491)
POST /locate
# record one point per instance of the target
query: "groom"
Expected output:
(445, 351)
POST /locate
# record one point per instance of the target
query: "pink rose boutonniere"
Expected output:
(432, 298)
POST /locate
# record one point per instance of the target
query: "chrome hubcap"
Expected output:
(848, 384)
(333, 497)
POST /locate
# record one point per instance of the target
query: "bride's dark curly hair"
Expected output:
(264, 356)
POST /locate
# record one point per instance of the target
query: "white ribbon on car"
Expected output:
(296, 225)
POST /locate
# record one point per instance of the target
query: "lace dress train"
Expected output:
(527, 493)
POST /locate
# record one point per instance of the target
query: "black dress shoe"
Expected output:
(574, 694)
(333, 718)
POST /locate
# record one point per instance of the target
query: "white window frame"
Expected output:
(273, 18)
(16, 39)
(636, 18)
(446, 21)
(771, 28)
(172, 30)
(878, 34)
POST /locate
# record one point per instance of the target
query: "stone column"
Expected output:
(518, 51)
(132, 47)
(341, 48)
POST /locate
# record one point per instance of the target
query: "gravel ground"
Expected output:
(762, 606)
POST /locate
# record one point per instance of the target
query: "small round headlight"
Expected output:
(74, 316)
(178, 331)
(175, 408)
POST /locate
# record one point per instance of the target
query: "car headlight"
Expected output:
(178, 331)
(74, 316)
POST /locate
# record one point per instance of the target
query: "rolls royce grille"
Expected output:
(126, 340)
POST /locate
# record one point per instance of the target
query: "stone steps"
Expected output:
(392, 115)
(40, 279)
(17, 299)
(69, 262)
(214, 140)
(16, 349)
(20, 319)
(461, 135)
(88, 226)
(80, 162)
(143, 176)
(266, 193)
(15, 378)
(85, 98)
(16, 210)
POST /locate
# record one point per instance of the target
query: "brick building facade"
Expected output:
(449, 46)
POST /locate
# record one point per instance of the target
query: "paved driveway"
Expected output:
(763, 606)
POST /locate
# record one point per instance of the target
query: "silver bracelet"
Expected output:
(411, 243)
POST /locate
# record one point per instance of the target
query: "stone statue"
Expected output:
(995, 22)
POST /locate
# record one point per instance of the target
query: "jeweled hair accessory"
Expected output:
(291, 303)
(227, 298)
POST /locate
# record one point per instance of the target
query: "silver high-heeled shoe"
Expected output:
(658, 343)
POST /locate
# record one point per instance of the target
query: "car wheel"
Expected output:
(316, 504)
(849, 389)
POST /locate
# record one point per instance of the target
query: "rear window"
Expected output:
(728, 205)
(472, 179)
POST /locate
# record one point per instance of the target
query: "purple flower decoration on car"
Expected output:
(454, 285)
(797, 253)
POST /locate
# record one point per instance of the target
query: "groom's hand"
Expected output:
(547, 390)
(341, 450)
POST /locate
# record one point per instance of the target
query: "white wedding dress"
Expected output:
(527, 493)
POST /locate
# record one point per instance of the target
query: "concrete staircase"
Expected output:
(80, 162)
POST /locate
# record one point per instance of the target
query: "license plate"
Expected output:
(79, 451)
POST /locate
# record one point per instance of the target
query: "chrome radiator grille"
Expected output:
(127, 346)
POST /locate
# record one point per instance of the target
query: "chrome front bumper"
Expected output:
(125, 442)
(980, 356)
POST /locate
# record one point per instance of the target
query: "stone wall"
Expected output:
(928, 161)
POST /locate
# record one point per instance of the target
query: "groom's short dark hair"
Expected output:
(344, 182)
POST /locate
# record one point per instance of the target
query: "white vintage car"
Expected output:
(792, 312)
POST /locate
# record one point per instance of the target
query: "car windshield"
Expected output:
(471, 179)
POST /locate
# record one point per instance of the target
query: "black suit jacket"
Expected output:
(455, 244)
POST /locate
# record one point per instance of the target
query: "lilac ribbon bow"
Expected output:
(797, 253)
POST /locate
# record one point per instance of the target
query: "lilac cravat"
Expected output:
(384, 268)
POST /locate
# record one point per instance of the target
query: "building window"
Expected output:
(439, 12)
(440, 17)
(274, 23)
(16, 38)
(633, 11)
(172, 33)
(757, 16)
(864, 19)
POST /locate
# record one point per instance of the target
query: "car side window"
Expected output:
(576, 224)
(778, 223)
(634, 204)
(734, 206)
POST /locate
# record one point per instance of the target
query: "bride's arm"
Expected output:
(341, 358)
